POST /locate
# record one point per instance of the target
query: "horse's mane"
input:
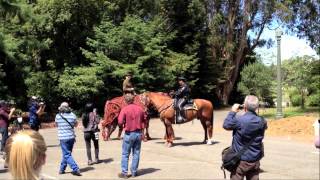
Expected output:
(162, 95)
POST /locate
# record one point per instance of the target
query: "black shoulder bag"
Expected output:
(68, 123)
(231, 159)
(66, 120)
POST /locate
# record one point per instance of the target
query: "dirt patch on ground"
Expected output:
(297, 128)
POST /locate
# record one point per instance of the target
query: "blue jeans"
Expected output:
(131, 141)
(4, 136)
(66, 147)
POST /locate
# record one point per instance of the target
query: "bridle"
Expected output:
(147, 103)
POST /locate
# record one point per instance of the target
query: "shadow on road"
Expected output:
(154, 139)
(147, 171)
(54, 145)
(3, 170)
(106, 160)
(193, 143)
(262, 171)
(82, 170)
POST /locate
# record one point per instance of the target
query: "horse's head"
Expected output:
(145, 99)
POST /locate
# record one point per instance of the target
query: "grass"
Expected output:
(289, 112)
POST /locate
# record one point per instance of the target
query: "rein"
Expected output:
(164, 107)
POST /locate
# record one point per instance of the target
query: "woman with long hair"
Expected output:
(90, 122)
(26, 154)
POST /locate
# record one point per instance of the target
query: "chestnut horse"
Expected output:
(164, 104)
(112, 110)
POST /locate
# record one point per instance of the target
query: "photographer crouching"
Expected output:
(36, 107)
(248, 133)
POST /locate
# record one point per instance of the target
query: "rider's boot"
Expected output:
(179, 118)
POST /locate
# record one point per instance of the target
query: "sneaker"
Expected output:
(90, 163)
(97, 161)
(62, 172)
(123, 176)
(134, 175)
(76, 173)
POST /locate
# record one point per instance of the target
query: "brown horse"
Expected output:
(164, 104)
(111, 112)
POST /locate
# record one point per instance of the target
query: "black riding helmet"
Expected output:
(182, 79)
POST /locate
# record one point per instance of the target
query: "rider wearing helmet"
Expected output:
(181, 98)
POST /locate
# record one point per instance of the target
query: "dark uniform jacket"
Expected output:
(183, 92)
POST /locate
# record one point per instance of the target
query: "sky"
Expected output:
(291, 46)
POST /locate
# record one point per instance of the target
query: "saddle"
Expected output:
(190, 105)
(181, 113)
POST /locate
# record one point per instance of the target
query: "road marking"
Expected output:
(48, 176)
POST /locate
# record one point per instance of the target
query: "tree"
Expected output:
(304, 20)
(298, 75)
(139, 46)
(230, 24)
(236, 27)
(256, 79)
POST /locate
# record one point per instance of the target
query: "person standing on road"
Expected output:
(5, 116)
(66, 121)
(90, 122)
(245, 129)
(35, 109)
(134, 119)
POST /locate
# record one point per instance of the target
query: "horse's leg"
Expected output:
(147, 130)
(104, 133)
(209, 130)
(113, 126)
(120, 132)
(170, 133)
(166, 132)
(165, 137)
(204, 125)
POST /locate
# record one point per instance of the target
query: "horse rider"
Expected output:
(127, 85)
(181, 98)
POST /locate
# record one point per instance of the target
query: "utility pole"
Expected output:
(279, 113)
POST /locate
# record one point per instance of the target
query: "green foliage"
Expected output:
(79, 50)
(42, 84)
(138, 46)
(80, 83)
(270, 113)
(295, 97)
(256, 79)
(299, 74)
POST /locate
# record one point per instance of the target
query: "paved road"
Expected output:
(188, 159)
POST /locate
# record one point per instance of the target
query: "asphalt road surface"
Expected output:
(187, 159)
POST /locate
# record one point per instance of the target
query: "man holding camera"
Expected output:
(35, 108)
(248, 131)
(5, 115)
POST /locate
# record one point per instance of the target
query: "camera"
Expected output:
(40, 101)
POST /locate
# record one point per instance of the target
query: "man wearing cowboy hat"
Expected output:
(181, 98)
(127, 85)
